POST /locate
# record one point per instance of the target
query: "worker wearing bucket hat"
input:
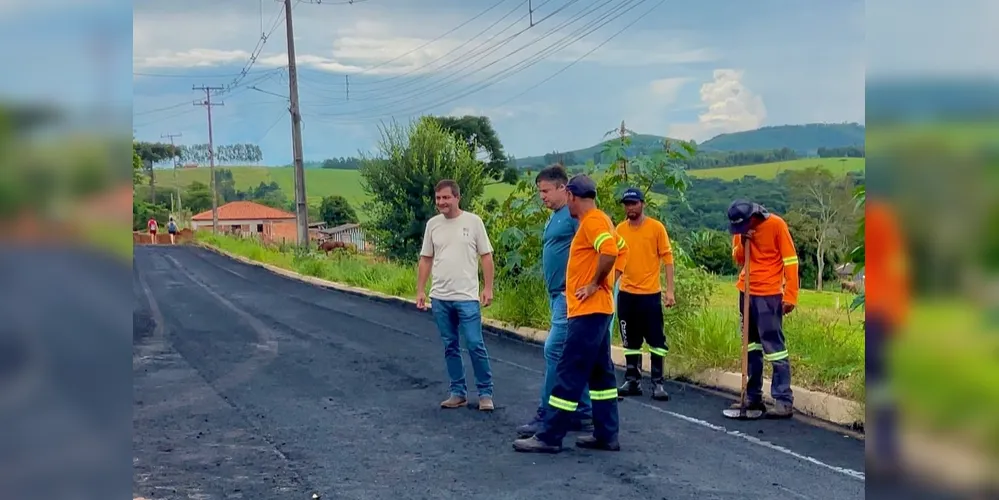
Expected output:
(772, 292)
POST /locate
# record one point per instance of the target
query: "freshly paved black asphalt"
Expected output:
(251, 385)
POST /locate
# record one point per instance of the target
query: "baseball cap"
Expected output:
(632, 194)
(740, 214)
(582, 186)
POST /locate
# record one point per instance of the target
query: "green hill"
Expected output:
(804, 139)
(639, 143)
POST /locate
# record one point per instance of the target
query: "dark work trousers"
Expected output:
(585, 360)
(881, 405)
(766, 343)
(640, 317)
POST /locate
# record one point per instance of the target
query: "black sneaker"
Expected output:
(629, 388)
(592, 443)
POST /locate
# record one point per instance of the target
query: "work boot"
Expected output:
(629, 388)
(592, 443)
(535, 445)
(582, 425)
(454, 401)
(533, 427)
(781, 410)
(659, 392)
(486, 403)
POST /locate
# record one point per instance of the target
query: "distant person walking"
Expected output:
(453, 243)
(557, 239)
(640, 299)
(172, 229)
(773, 293)
(586, 359)
(152, 226)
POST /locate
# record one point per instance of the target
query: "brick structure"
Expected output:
(246, 218)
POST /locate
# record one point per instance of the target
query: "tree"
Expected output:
(479, 136)
(198, 197)
(712, 250)
(136, 167)
(336, 210)
(822, 210)
(400, 181)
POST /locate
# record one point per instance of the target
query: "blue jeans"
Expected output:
(554, 347)
(463, 318)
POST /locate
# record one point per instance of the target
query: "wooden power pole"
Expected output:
(207, 103)
(301, 206)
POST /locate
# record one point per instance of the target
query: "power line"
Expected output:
(583, 56)
(465, 71)
(207, 103)
(255, 53)
(502, 74)
(464, 61)
(442, 35)
(442, 56)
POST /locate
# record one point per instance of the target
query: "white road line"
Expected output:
(755, 440)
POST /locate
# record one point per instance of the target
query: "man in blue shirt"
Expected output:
(559, 231)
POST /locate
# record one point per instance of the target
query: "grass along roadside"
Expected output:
(827, 349)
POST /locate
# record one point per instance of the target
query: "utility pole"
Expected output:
(207, 103)
(301, 207)
(173, 147)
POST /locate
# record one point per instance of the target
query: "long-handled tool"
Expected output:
(742, 413)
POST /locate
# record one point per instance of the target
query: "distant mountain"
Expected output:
(803, 139)
(640, 143)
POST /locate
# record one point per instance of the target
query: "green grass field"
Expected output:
(838, 166)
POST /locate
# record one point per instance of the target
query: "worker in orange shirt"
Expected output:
(594, 254)
(640, 299)
(886, 304)
(773, 292)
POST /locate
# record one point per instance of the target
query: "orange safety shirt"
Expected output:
(648, 246)
(774, 261)
(596, 236)
(886, 270)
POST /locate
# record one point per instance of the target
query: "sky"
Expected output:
(685, 69)
(664, 67)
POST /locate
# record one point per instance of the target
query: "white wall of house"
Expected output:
(226, 225)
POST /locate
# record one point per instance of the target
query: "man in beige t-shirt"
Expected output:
(453, 242)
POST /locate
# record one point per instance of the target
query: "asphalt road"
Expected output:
(251, 385)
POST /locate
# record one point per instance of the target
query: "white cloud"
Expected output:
(496, 113)
(381, 42)
(731, 107)
(666, 89)
(648, 107)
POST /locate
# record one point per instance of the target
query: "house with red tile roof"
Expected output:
(246, 218)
